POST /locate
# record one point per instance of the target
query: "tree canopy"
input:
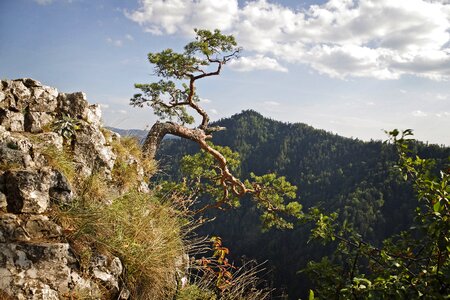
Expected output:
(357, 179)
(173, 94)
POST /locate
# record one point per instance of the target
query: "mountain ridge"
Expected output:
(334, 172)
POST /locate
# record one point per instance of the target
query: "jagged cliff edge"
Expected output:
(36, 260)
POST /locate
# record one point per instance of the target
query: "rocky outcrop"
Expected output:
(36, 261)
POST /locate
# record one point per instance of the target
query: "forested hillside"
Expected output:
(352, 177)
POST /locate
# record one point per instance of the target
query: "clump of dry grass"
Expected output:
(109, 216)
(95, 188)
(146, 235)
(131, 165)
(62, 160)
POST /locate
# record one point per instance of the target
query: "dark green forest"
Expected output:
(354, 178)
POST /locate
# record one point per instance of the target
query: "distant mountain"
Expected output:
(138, 133)
(336, 173)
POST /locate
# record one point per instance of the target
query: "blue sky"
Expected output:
(347, 66)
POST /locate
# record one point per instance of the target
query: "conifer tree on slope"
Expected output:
(174, 94)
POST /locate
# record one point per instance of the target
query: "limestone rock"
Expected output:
(36, 121)
(11, 157)
(74, 105)
(35, 270)
(16, 141)
(13, 121)
(27, 191)
(49, 140)
(30, 83)
(3, 203)
(107, 270)
(94, 115)
(60, 191)
(34, 263)
(19, 95)
(11, 229)
(91, 151)
(7, 98)
(41, 227)
(27, 227)
(43, 99)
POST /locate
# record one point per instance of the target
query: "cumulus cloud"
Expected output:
(419, 113)
(257, 62)
(381, 39)
(162, 16)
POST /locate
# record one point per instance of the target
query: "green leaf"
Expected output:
(311, 295)
(437, 206)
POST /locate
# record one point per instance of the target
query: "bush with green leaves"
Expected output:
(202, 179)
(414, 264)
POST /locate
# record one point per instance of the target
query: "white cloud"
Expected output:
(271, 106)
(443, 114)
(171, 16)
(257, 62)
(122, 111)
(104, 106)
(205, 101)
(419, 113)
(117, 43)
(272, 103)
(43, 2)
(214, 111)
(381, 39)
(441, 97)
(48, 2)
(129, 37)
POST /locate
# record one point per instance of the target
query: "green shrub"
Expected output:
(194, 292)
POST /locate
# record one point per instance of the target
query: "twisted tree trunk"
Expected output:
(159, 130)
(200, 136)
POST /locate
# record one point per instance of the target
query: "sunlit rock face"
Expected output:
(36, 262)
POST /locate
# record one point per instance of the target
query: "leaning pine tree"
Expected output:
(173, 94)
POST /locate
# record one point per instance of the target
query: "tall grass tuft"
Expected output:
(62, 160)
(131, 165)
(148, 238)
(145, 234)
